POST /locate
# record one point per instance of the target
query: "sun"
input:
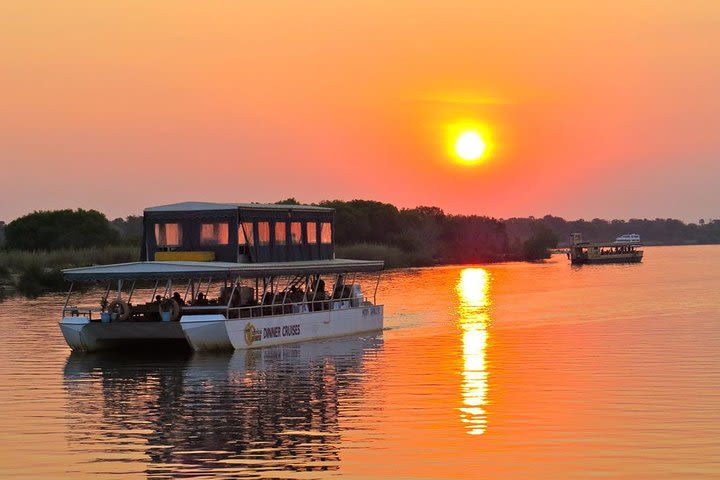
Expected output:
(470, 146)
(469, 142)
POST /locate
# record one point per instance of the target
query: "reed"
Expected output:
(18, 261)
(393, 257)
(33, 273)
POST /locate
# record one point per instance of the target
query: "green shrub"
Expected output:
(35, 281)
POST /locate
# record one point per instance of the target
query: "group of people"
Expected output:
(176, 296)
(294, 299)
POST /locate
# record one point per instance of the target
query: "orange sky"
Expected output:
(606, 109)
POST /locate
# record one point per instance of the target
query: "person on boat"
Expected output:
(223, 297)
(158, 299)
(201, 300)
(178, 299)
(320, 296)
(339, 287)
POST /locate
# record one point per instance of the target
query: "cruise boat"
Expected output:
(626, 251)
(225, 276)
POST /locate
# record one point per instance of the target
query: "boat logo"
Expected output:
(252, 334)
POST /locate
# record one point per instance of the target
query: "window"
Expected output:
(311, 232)
(326, 233)
(296, 233)
(246, 233)
(168, 234)
(263, 233)
(214, 234)
(280, 233)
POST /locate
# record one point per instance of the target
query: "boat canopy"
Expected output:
(212, 206)
(237, 232)
(216, 270)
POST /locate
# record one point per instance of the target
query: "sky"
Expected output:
(589, 109)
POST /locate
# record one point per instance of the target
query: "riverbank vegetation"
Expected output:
(34, 272)
(37, 246)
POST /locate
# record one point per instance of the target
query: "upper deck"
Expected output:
(576, 240)
(237, 232)
(216, 270)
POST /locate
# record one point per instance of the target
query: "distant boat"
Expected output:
(628, 238)
(625, 249)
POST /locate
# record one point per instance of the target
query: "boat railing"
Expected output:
(266, 310)
(72, 311)
(298, 307)
(283, 308)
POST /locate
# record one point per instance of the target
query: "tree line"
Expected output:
(658, 231)
(370, 229)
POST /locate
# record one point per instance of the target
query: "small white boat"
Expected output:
(628, 238)
(239, 304)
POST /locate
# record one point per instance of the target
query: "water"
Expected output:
(499, 371)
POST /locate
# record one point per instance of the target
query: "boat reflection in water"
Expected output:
(244, 413)
(473, 305)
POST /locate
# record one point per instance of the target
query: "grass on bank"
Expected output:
(394, 257)
(33, 273)
(20, 260)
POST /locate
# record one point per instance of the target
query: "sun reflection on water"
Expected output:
(474, 301)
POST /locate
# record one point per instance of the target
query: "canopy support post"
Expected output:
(132, 290)
(67, 299)
(152, 297)
(377, 283)
(187, 289)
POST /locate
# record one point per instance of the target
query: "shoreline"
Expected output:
(31, 279)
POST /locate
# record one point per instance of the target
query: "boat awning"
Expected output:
(211, 206)
(167, 270)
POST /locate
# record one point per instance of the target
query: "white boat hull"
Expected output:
(206, 333)
(83, 335)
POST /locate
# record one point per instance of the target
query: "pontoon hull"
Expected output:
(607, 259)
(205, 334)
(215, 332)
(85, 336)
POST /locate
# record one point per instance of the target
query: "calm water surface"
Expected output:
(501, 371)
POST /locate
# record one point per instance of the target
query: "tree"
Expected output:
(130, 227)
(288, 201)
(538, 246)
(364, 221)
(52, 230)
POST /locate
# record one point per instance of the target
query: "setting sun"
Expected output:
(468, 141)
(469, 146)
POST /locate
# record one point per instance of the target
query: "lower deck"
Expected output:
(217, 332)
(215, 306)
(598, 253)
(608, 259)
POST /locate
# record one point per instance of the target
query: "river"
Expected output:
(509, 371)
